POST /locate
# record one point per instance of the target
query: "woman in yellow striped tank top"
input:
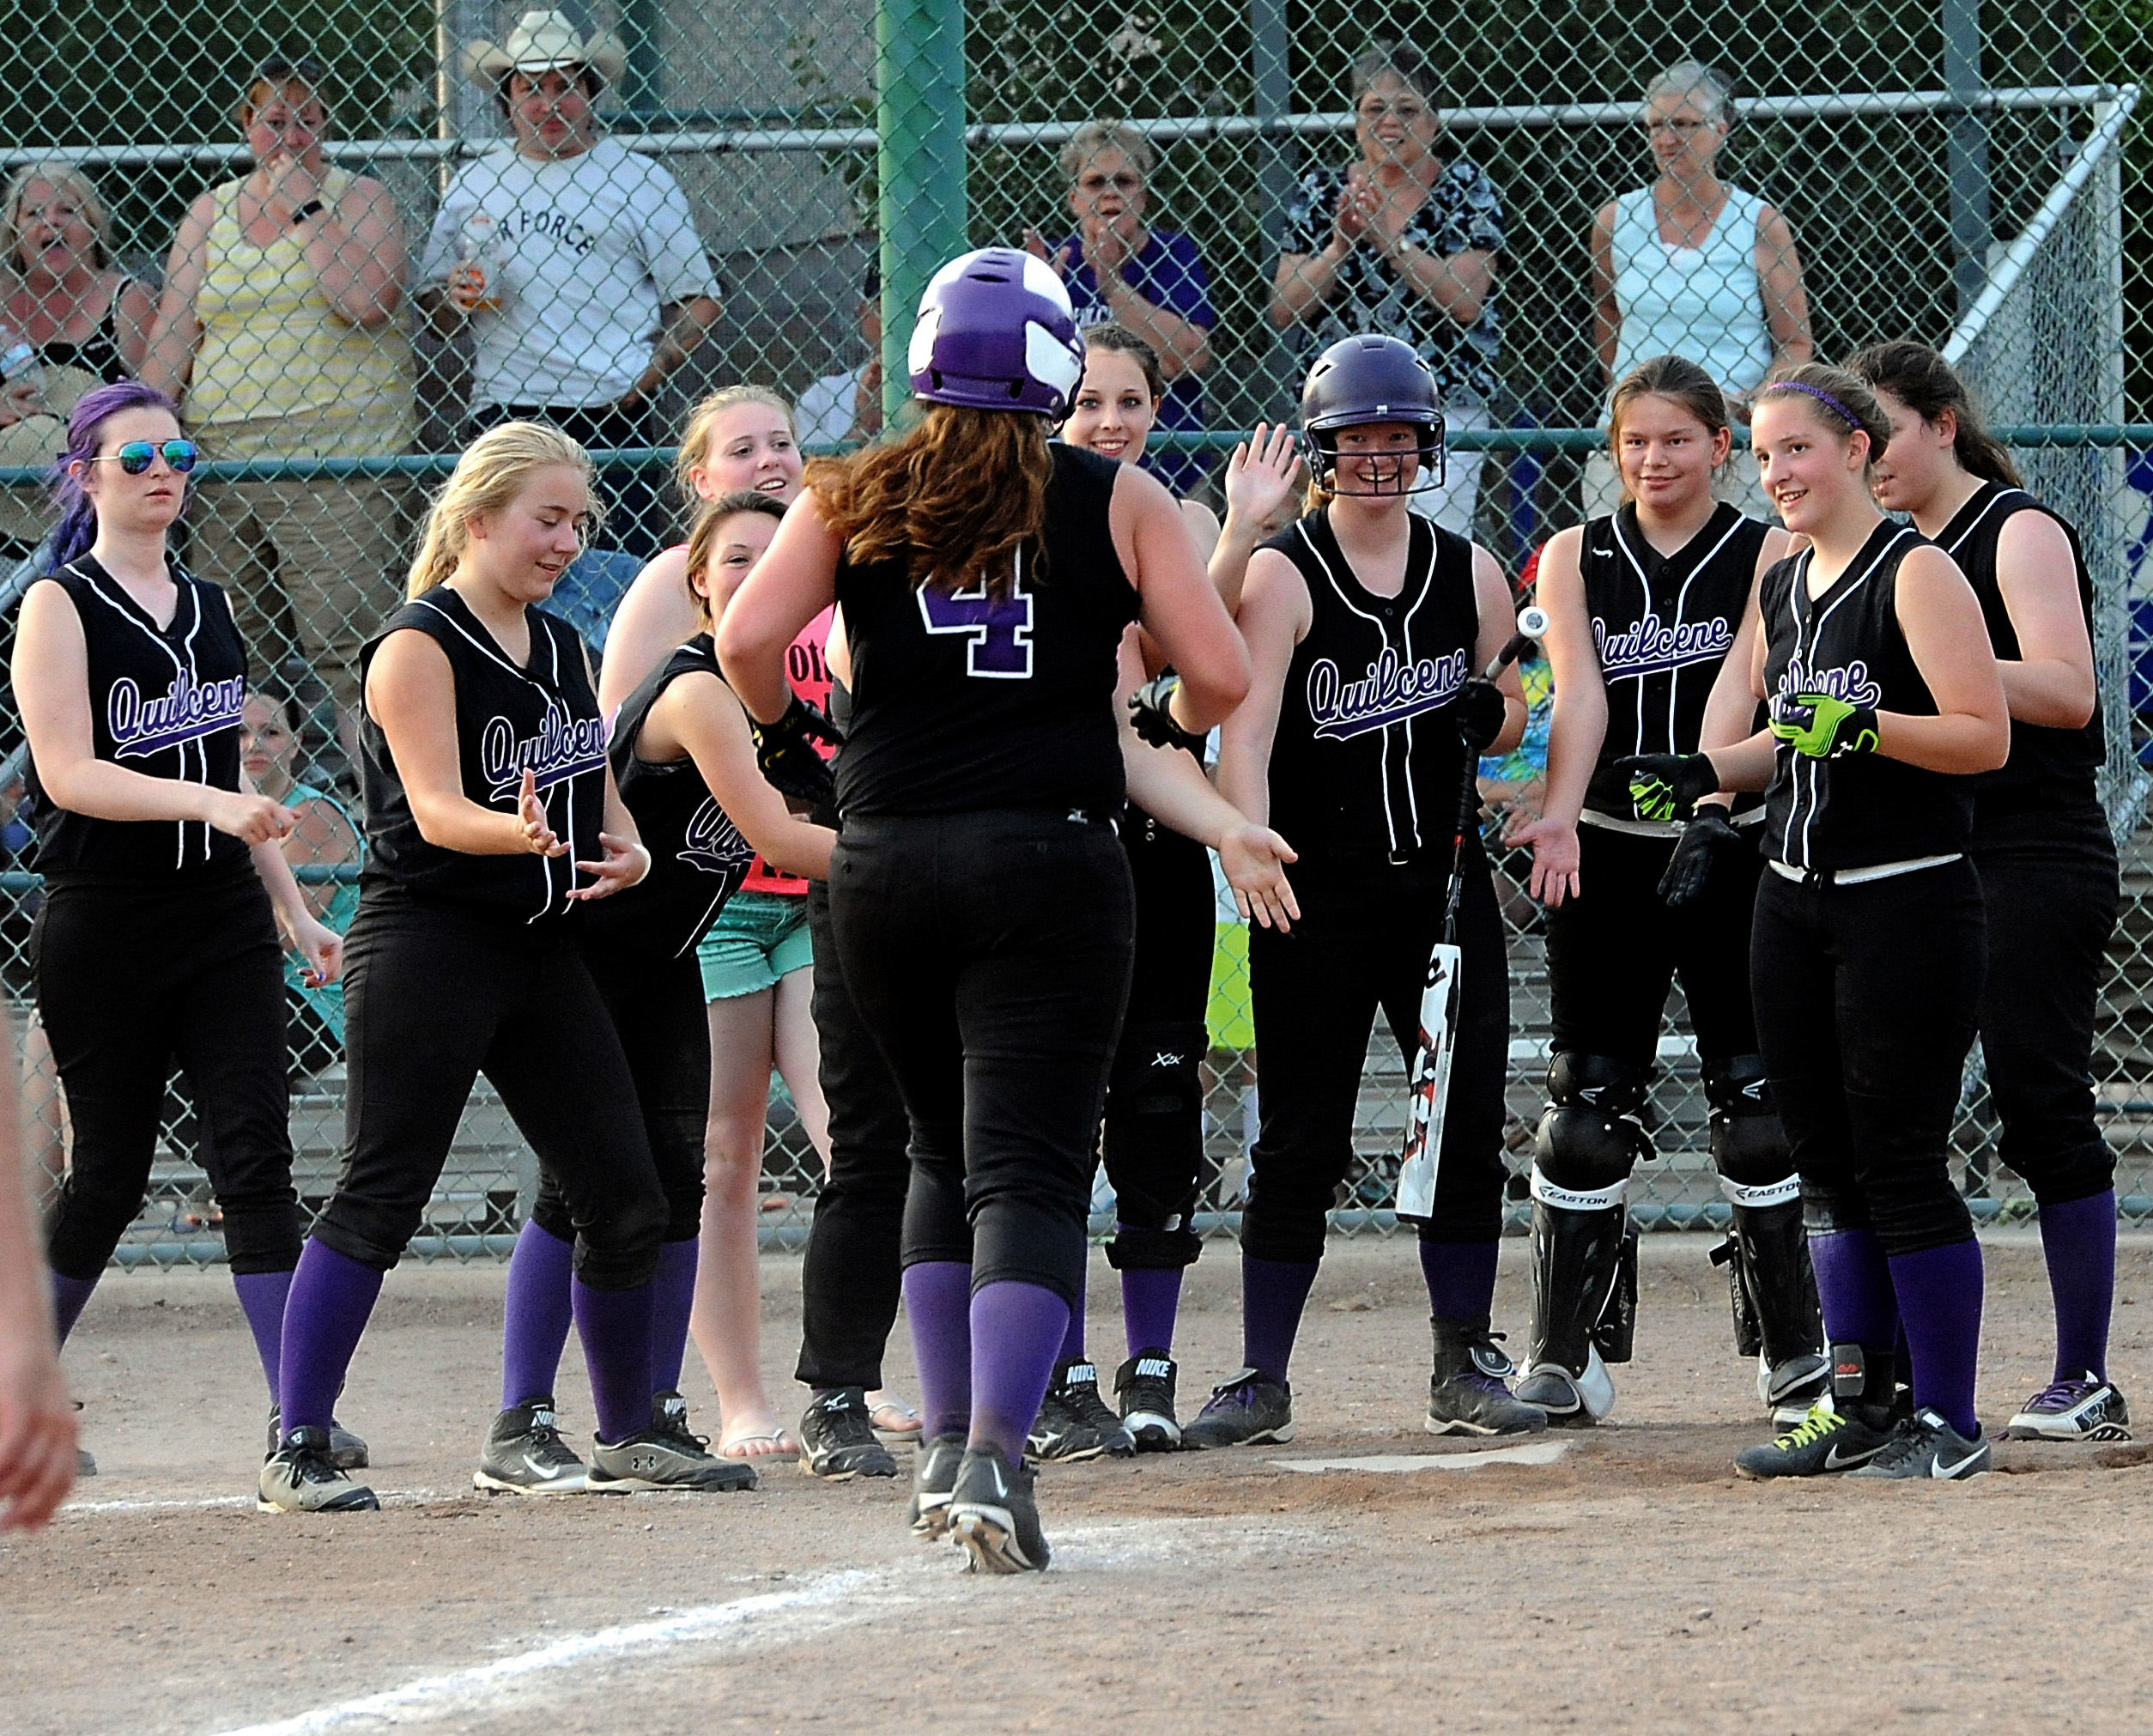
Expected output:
(281, 330)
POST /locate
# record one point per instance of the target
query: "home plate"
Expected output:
(1539, 1453)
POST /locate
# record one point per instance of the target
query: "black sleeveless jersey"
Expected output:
(1356, 761)
(2046, 765)
(698, 857)
(964, 700)
(164, 702)
(1663, 626)
(544, 717)
(1865, 809)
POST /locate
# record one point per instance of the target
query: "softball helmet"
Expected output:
(996, 331)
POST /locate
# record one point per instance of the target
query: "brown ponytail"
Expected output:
(1924, 382)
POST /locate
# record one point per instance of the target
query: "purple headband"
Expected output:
(1821, 395)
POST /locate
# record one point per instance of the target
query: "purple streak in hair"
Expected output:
(78, 528)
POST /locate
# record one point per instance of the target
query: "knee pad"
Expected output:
(1138, 1249)
(1592, 1131)
(1749, 1143)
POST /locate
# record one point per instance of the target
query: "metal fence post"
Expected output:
(919, 160)
(1967, 151)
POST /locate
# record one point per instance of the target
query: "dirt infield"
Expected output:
(1627, 1582)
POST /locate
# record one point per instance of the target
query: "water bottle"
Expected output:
(480, 245)
(19, 362)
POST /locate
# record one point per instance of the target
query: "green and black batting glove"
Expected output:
(785, 750)
(1824, 728)
(1668, 786)
(1688, 869)
(1151, 715)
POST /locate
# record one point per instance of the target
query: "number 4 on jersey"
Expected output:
(998, 628)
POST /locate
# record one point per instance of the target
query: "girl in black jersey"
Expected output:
(980, 898)
(685, 766)
(2042, 847)
(1153, 1133)
(1867, 951)
(491, 817)
(1651, 617)
(1368, 624)
(164, 887)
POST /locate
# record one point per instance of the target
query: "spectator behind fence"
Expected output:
(575, 259)
(1402, 242)
(847, 406)
(279, 334)
(88, 322)
(1151, 281)
(1692, 267)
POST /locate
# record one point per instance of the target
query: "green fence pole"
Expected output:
(919, 162)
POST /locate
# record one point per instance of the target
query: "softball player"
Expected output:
(1651, 620)
(1153, 1126)
(684, 764)
(980, 900)
(485, 780)
(2042, 847)
(1867, 949)
(1369, 623)
(165, 887)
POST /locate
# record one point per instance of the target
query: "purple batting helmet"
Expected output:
(1364, 380)
(996, 331)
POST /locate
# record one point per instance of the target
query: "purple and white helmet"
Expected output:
(996, 331)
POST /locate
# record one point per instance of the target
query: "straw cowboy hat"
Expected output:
(543, 41)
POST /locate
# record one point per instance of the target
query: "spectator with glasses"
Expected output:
(1691, 266)
(574, 259)
(1150, 282)
(1402, 242)
(279, 334)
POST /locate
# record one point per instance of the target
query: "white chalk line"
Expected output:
(405, 1498)
(1539, 1453)
(850, 1595)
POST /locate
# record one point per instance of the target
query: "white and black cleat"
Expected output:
(1570, 1401)
(2086, 1408)
(934, 1475)
(1468, 1389)
(656, 1462)
(1143, 1388)
(1789, 1389)
(994, 1516)
(524, 1454)
(1074, 1423)
(1927, 1448)
(300, 1478)
(837, 1440)
(347, 1452)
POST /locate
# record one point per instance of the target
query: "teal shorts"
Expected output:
(758, 937)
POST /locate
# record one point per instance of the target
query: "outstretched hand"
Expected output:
(1555, 858)
(1253, 859)
(1261, 475)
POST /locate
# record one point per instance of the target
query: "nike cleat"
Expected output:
(2086, 1409)
(523, 1454)
(1249, 1410)
(993, 1515)
(933, 1475)
(1074, 1421)
(1144, 1385)
(837, 1440)
(1927, 1447)
(1823, 1443)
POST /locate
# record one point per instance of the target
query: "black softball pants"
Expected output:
(132, 981)
(656, 1004)
(1360, 946)
(1152, 1139)
(435, 995)
(850, 1276)
(990, 955)
(1614, 950)
(1866, 1001)
(2049, 887)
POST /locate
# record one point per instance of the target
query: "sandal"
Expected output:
(893, 1416)
(776, 1443)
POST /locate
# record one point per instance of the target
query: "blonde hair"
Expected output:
(1096, 136)
(65, 179)
(488, 476)
(702, 424)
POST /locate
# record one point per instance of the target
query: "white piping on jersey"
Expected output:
(120, 607)
(1797, 594)
(1995, 500)
(1390, 822)
(1681, 597)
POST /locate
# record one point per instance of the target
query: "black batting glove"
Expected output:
(1150, 713)
(1667, 786)
(1688, 869)
(1478, 714)
(785, 750)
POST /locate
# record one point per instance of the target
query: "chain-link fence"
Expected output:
(346, 234)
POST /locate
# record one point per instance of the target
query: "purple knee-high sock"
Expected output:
(535, 1315)
(1150, 1300)
(1461, 1278)
(938, 1305)
(1072, 1349)
(71, 1296)
(1853, 1284)
(673, 1299)
(615, 1326)
(261, 1297)
(2077, 1240)
(1273, 1294)
(331, 1298)
(1939, 1292)
(1017, 1331)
